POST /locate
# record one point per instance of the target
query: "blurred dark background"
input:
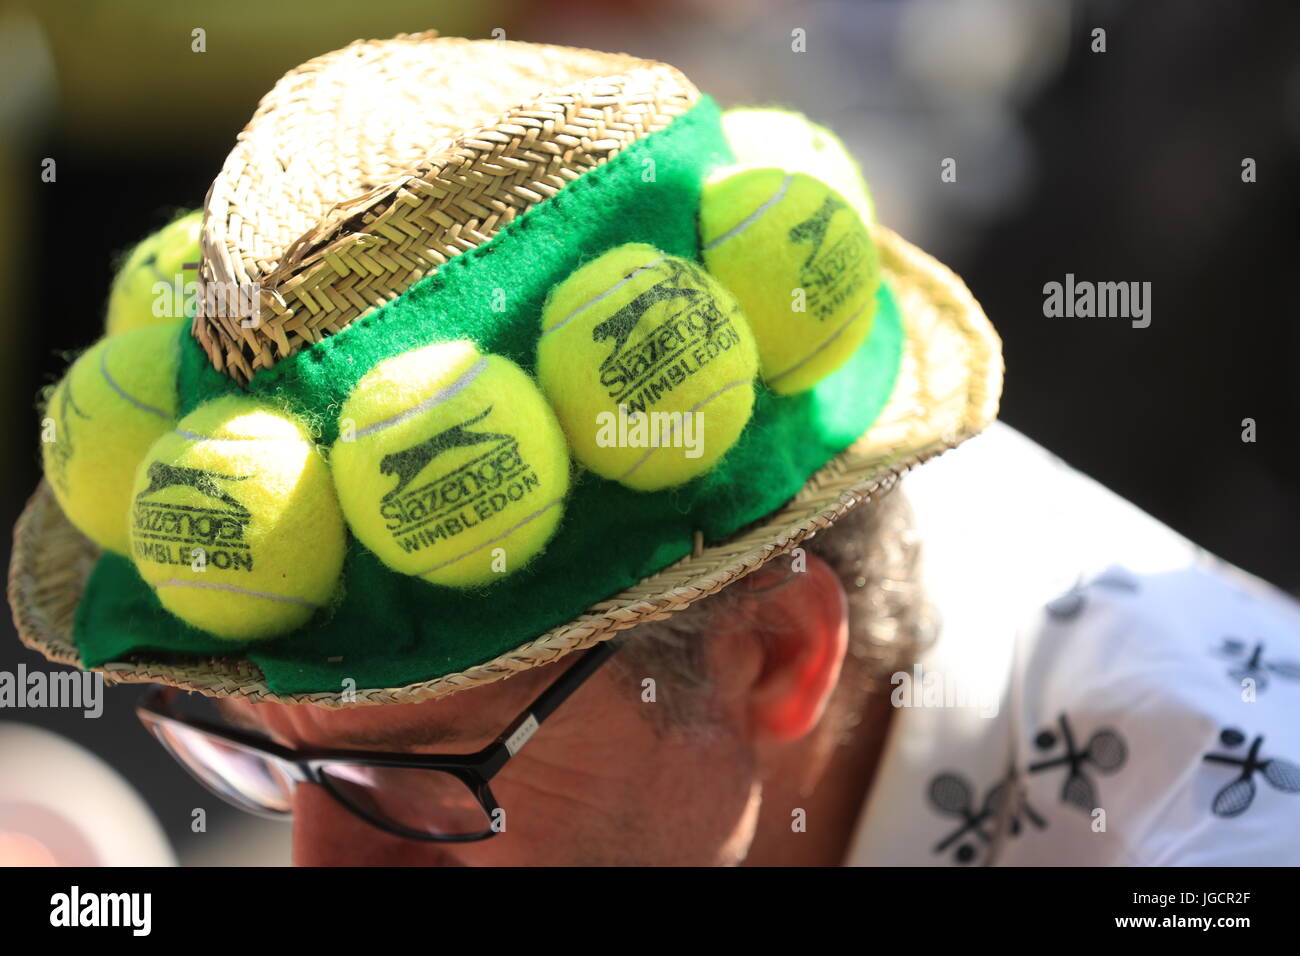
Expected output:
(1116, 166)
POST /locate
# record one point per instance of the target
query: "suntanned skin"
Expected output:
(597, 786)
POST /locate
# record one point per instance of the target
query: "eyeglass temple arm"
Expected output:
(527, 723)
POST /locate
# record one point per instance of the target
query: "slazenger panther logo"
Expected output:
(407, 464)
(830, 272)
(618, 327)
(162, 475)
(813, 229)
(64, 449)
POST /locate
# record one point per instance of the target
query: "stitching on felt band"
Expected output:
(235, 589)
(690, 411)
(437, 398)
(509, 531)
(831, 338)
(753, 216)
(610, 291)
(112, 383)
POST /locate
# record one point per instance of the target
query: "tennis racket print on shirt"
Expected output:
(1250, 663)
(952, 794)
(1236, 797)
(1070, 605)
(1105, 752)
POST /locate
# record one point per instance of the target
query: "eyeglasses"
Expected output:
(440, 798)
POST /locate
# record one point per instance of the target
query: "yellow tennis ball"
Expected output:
(136, 299)
(802, 263)
(450, 465)
(649, 365)
(234, 521)
(116, 400)
(791, 141)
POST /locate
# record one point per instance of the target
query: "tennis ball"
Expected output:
(791, 141)
(800, 260)
(162, 257)
(450, 465)
(649, 365)
(234, 521)
(114, 402)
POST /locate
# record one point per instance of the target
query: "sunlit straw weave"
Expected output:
(365, 169)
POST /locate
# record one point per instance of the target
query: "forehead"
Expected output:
(471, 717)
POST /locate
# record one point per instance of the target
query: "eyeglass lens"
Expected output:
(426, 802)
(423, 802)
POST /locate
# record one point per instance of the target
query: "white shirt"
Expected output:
(1074, 624)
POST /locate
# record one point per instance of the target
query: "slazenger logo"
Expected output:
(168, 533)
(832, 274)
(420, 514)
(63, 448)
(672, 348)
(205, 482)
(408, 464)
(617, 329)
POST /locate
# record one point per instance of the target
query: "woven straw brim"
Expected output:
(947, 390)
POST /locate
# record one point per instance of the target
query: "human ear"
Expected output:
(803, 617)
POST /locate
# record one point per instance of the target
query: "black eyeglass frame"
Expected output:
(304, 766)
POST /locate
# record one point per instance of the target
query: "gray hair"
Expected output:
(873, 550)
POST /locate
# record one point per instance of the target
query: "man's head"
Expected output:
(701, 741)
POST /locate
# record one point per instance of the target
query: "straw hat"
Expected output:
(368, 169)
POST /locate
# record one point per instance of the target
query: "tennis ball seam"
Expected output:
(504, 534)
(754, 216)
(200, 436)
(444, 394)
(822, 345)
(608, 292)
(690, 411)
(125, 395)
(235, 589)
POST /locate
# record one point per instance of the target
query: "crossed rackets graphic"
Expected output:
(1252, 664)
(1104, 751)
(1234, 799)
(1071, 604)
(952, 794)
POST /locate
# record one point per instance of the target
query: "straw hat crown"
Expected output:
(367, 168)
